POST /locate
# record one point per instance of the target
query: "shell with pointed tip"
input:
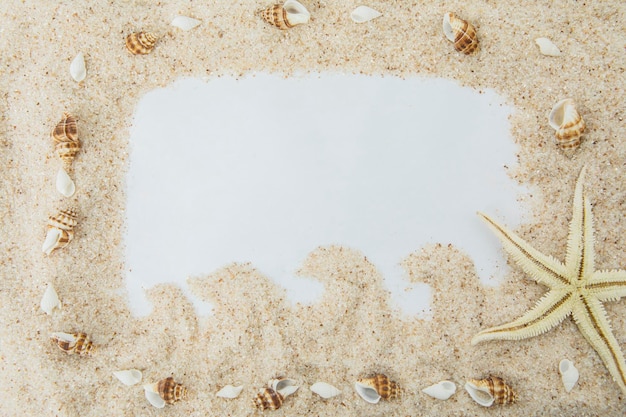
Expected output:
(230, 391)
(489, 391)
(50, 300)
(377, 387)
(325, 390)
(185, 23)
(65, 135)
(441, 390)
(568, 124)
(569, 374)
(364, 14)
(170, 390)
(64, 183)
(78, 71)
(461, 33)
(141, 43)
(284, 386)
(547, 47)
(60, 230)
(78, 343)
(286, 15)
(129, 377)
(268, 399)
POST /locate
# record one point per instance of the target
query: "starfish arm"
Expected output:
(591, 319)
(607, 285)
(551, 310)
(580, 257)
(543, 269)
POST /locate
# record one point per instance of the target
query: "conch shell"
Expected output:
(287, 15)
(461, 33)
(377, 387)
(78, 343)
(268, 398)
(141, 43)
(568, 123)
(168, 390)
(65, 136)
(489, 391)
(60, 230)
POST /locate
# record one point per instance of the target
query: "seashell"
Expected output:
(64, 183)
(568, 123)
(268, 398)
(229, 391)
(461, 33)
(377, 387)
(78, 71)
(60, 230)
(546, 47)
(325, 390)
(287, 15)
(569, 374)
(441, 390)
(65, 136)
(129, 377)
(50, 300)
(364, 14)
(168, 390)
(141, 43)
(78, 343)
(490, 390)
(153, 396)
(284, 386)
(185, 23)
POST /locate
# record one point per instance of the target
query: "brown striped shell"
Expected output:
(268, 399)
(568, 124)
(286, 15)
(491, 390)
(384, 387)
(141, 43)
(77, 343)
(461, 33)
(65, 136)
(170, 390)
(63, 222)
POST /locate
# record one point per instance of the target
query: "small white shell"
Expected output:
(569, 374)
(442, 390)
(77, 68)
(367, 392)
(153, 397)
(546, 47)
(325, 390)
(185, 23)
(230, 391)
(364, 14)
(64, 184)
(52, 238)
(50, 300)
(284, 386)
(479, 394)
(128, 377)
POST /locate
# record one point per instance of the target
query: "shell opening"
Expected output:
(368, 393)
(447, 27)
(52, 239)
(479, 394)
(296, 12)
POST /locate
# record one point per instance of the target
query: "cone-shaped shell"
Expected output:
(286, 15)
(268, 399)
(325, 390)
(442, 390)
(78, 71)
(64, 220)
(489, 391)
(284, 386)
(128, 377)
(78, 343)
(66, 130)
(461, 33)
(141, 43)
(377, 387)
(569, 374)
(230, 391)
(170, 390)
(64, 183)
(50, 300)
(568, 123)
(60, 232)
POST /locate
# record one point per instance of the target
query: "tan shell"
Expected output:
(141, 43)
(568, 123)
(65, 136)
(286, 15)
(383, 386)
(64, 223)
(78, 343)
(170, 390)
(492, 390)
(461, 33)
(268, 399)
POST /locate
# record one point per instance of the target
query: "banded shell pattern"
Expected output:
(268, 399)
(286, 15)
(568, 124)
(461, 33)
(65, 136)
(60, 230)
(78, 343)
(489, 391)
(170, 390)
(141, 43)
(377, 387)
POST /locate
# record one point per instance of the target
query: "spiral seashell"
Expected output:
(287, 15)
(50, 300)
(170, 390)
(268, 399)
(65, 136)
(377, 387)
(568, 124)
(60, 230)
(489, 391)
(569, 374)
(441, 390)
(461, 33)
(141, 43)
(78, 343)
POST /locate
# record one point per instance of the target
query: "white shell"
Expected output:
(297, 14)
(128, 377)
(153, 396)
(52, 237)
(185, 23)
(65, 185)
(229, 391)
(364, 14)
(325, 390)
(366, 392)
(479, 394)
(77, 68)
(564, 110)
(447, 27)
(50, 300)
(284, 386)
(66, 337)
(569, 374)
(546, 47)
(442, 390)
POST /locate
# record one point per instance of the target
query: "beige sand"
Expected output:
(255, 334)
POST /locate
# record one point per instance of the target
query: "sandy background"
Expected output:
(254, 334)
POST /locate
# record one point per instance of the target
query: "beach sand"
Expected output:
(255, 334)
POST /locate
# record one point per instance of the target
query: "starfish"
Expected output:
(576, 289)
